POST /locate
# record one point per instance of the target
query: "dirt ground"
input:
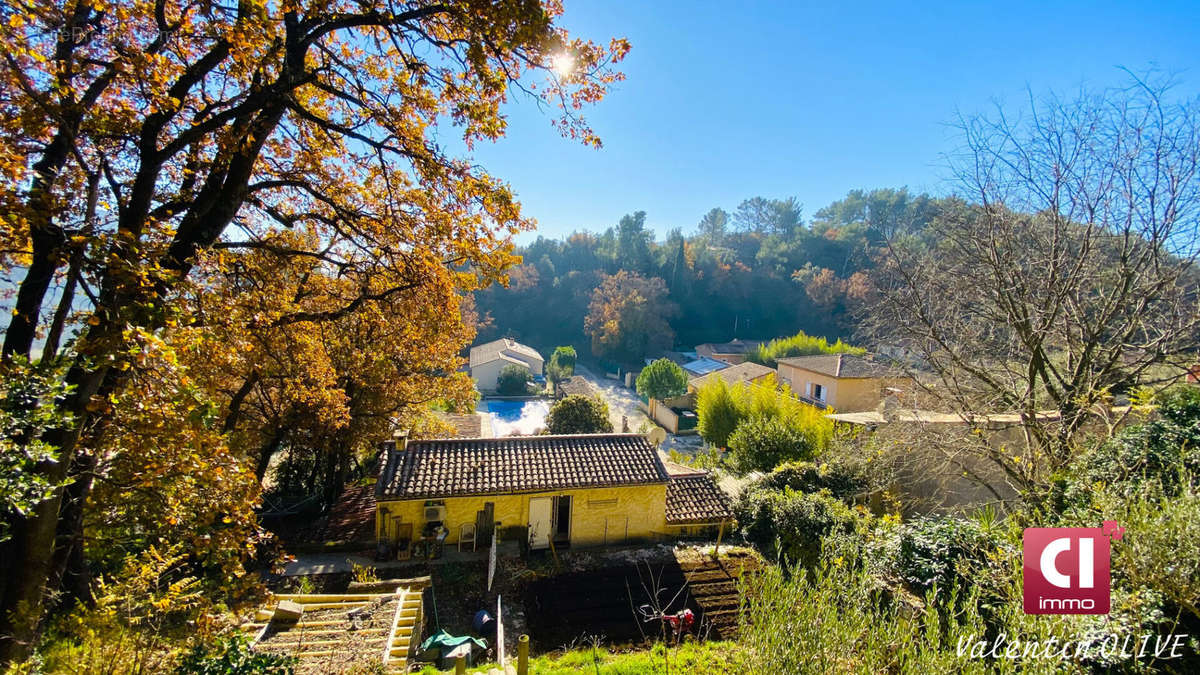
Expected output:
(354, 649)
(606, 596)
(584, 595)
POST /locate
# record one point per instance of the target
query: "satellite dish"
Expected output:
(656, 436)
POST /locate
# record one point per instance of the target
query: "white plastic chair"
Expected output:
(466, 534)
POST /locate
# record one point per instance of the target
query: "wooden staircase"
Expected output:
(406, 625)
(321, 633)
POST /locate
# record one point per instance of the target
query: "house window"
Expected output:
(818, 392)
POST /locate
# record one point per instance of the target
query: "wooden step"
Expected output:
(330, 597)
(314, 643)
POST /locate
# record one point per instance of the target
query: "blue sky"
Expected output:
(726, 101)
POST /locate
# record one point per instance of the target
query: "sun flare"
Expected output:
(563, 64)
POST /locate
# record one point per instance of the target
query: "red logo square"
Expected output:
(1067, 569)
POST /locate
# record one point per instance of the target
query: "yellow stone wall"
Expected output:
(642, 508)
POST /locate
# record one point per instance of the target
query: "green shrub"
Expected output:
(719, 410)
(579, 414)
(841, 479)
(836, 617)
(513, 381)
(762, 443)
(561, 364)
(954, 554)
(1158, 451)
(1160, 551)
(233, 656)
(800, 344)
(1180, 404)
(662, 379)
(791, 525)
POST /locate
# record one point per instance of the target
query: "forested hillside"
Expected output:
(761, 271)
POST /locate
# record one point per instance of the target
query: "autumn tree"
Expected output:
(1070, 278)
(629, 317)
(138, 137)
(317, 393)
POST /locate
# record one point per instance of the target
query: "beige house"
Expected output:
(845, 382)
(487, 360)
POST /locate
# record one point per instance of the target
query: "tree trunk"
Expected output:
(29, 554)
(69, 572)
(264, 456)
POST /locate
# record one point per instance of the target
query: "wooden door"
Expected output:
(541, 522)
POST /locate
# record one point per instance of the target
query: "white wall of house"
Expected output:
(487, 374)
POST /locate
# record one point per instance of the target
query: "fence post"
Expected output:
(523, 655)
(460, 665)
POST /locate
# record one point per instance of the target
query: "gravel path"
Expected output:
(621, 401)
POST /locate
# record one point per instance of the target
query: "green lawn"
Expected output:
(694, 658)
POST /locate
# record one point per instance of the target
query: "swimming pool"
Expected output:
(515, 417)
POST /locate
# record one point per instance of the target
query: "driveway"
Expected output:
(621, 401)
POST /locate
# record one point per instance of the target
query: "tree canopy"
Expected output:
(1071, 279)
(276, 167)
(562, 364)
(767, 273)
(662, 379)
(578, 414)
(513, 380)
(629, 317)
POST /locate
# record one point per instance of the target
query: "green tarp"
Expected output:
(444, 642)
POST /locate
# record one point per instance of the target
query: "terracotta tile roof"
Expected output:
(734, 346)
(504, 349)
(742, 372)
(429, 469)
(466, 425)
(839, 365)
(695, 498)
(576, 384)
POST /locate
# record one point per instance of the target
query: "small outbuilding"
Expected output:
(576, 490)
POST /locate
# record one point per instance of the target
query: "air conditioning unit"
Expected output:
(435, 513)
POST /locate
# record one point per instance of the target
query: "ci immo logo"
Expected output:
(1067, 568)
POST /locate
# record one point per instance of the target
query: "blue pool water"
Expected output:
(515, 417)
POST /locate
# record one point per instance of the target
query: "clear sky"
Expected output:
(730, 100)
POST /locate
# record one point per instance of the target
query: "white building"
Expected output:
(487, 360)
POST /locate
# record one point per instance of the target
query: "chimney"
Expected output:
(400, 440)
(397, 444)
